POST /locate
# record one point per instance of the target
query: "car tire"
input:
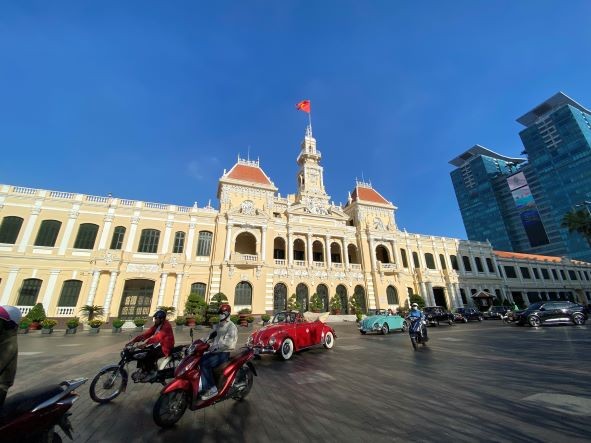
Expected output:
(437, 323)
(578, 319)
(286, 349)
(465, 320)
(404, 327)
(328, 340)
(362, 332)
(480, 318)
(534, 321)
(385, 329)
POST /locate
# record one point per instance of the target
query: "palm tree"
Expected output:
(91, 311)
(578, 221)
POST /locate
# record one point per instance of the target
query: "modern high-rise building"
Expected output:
(518, 204)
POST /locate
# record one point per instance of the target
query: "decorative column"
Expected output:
(53, 274)
(162, 288)
(109, 295)
(289, 248)
(8, 287)
(106, 230)
(264, 243)
(228, 242)
(73, 216)
(134, 221)
(177, 291)
(309, 239)
(167, 232)
(328, 260)
(372, 254)
(423, 291)
(430, 295)
(345, 252)
(93, 287)
(395, 257)
(189, 253)
(452, 296)
(29, 229)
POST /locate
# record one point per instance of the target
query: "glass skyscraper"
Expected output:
(518, 204)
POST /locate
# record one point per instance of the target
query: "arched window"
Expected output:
(454, 262)
(118, 236)
(360, 298)
(302, 296)
(392, 295)
(342, 294)
(317, 251)
(442, 261)
(322, 292)
(382, 254)
(48, 232)
(280, 297)
(149, 241)
(27, 295)
(335, 253)
(9, 229)
(415, 260)
(479, 267)
(279, 248)
(353, 255)
(86, 236)
(299, 250)
(199, 289)
(243, 294)
(204, 244)
(179, 242)
(429, 260)
(404, 257)
(70, 293)
(246, 243)
(466, 261)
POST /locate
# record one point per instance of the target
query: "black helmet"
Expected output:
(160, 313)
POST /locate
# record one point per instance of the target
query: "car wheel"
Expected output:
(404, 327)
(479, 318)
(450, 322)
(534, 321)
(385, 329)
(363, 332)
(286, 349)
(437, 323)
(465, 320)
(579, 319)
(328, 340)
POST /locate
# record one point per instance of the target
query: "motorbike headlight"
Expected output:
(250, 341)
(182, 370)
(272, 341)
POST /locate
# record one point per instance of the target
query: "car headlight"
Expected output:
(377, 326)
(250, 341)
(272, 341)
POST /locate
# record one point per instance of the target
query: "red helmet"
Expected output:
(224, 309)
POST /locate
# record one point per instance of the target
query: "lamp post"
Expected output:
(585, 205)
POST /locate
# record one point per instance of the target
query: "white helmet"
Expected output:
(414, 306)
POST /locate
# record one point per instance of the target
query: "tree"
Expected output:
(578, 221)
(316, 304)
(37, 313)
(354, 305)
(90, 312)
(195, 305)
(335, 304)
(414, 298)
(215, 302)
(293, 304)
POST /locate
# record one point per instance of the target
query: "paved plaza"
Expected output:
(473, 382)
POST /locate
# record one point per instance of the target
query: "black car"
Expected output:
(467, 314)
(436, 314)
(550, 312)
(495, 312)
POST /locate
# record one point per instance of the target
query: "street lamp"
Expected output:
(585, 205)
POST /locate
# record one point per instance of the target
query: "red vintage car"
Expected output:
(290, 332)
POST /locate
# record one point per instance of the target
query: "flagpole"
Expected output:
(310, 121)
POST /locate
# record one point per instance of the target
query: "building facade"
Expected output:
(67, 250)
(519, 205)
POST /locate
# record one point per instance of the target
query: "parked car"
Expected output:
(550, 312)
(382, 322)
(495, 312)
(467, 314)
(437, 314)
(290, 332)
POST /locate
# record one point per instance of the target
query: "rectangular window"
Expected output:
(525, 272)
(204, 244)
(48, 232)
(149, 241)
(442, 261)
(29, 291)
(404, 259)
(86, 236)
(70, 293)
(572, 274)
(489, 265)
(466, 261)
(9, 229)
(536, 273)
(199, 289)
(510, 272)
(279, 254)
(563, 274)
(479, 264)
(554, 274)
(545, 274)
(454, 262)
(415, 260)
(117, 240)
(179, 243)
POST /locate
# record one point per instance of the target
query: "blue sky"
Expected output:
(151, 100)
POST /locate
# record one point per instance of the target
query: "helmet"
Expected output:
(160, 313)
(10, 314)
(414, 306)
(224, 311)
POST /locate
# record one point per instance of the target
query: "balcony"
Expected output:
(244, 259)
(299, 263)
(387, 268)
(337, 265)
(279, 262)
(25, 309)
(65, 311)
(355, 266)
(318, 264)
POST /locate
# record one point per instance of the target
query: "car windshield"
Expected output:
(459, 310)
(284, 317)
(376, 312)
(535, 305)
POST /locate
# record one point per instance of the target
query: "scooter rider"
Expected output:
(10, 317)
(225, 337)
(415, 312)
(159, 334)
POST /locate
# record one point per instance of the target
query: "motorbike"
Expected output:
(234, 379)
(32, 416)
(416, 332)
(111, 381)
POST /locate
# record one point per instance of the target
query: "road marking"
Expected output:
(563, 403)
(68, 345)
(350, 347)
(305, 377)
(450, 339)
(29, 353)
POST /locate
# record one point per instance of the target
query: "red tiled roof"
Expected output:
(368, 194)
(519, 255)
(249, 173)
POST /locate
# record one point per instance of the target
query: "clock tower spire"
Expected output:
(311, 192)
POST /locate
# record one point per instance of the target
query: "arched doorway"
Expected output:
(302, 297)
(246, 243)
(342, 294)
(392, 295)
(279, 297)
(360, 298)
(318, 251)
(335, 253)
(322, 292)
(299, 250)
(382, 254)
(352, 254)
(439, 296)
(137, 299)
(279, 248)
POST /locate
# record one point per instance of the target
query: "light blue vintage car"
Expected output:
(380, 321)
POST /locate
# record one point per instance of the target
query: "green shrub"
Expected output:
(96, 323)
(195, 305)
(117, 323)
(358, 315)
(25, 323)
(170, 310)
(354, 304)
(245, 311)
(139, 322)
(316, 304)
(293, 304)
(265, 317)
(235, 319)
(180, 320)
(91, 312)
(73, 323)
(414, 298)
(335, 303)
(48, 323)
(250, 319)
(199, 319)
(214, 319)
(37, 313)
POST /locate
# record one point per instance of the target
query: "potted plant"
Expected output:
(139, 324)
(180, 322)
(23, 326)
(90, 312)
(117, 324)
(195, 305)
(335, 304)
(358, 316)
(199, 321)
(36, 315)
(214, 305)
(72, 325)
(235, 319)
(214, 320)
(95, 326)
(170, 310)
(316, 304)
(250, 320)
(293, 304)
(265, 318)
(243, 315)
(47, 326)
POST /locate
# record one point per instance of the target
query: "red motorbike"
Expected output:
(233, 379)
(32, 416)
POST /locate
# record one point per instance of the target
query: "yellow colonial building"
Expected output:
(67, 250)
